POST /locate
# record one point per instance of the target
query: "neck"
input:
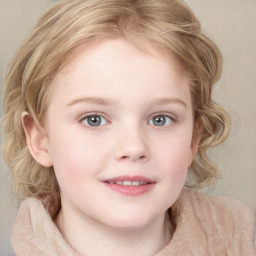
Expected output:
(88, 237)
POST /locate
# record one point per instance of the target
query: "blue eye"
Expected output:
(94, 120)
(160, 120)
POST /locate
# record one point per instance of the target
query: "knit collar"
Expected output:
(204, 226)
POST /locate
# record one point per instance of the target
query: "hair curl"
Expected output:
(168, 24)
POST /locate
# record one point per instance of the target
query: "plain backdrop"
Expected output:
(232, 25)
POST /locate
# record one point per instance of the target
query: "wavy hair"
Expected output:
(170, 25)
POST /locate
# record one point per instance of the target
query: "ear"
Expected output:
(37, 141)
(195, 140)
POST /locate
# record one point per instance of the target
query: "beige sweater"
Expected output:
(205, 226)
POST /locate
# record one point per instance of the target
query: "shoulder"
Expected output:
(221, 216)
(212, 225)
(218, 201)
(219, 205)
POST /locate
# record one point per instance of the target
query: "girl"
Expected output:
(108, 116)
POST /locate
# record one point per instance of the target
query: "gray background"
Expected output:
(232, 25)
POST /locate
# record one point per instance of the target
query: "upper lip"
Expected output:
(130, 178)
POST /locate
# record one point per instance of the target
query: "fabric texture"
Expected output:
(205, 225)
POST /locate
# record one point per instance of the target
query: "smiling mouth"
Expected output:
(128, 182)
(130, 185)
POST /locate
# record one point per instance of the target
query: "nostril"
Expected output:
(143, 157)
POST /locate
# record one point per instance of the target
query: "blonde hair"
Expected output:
(170, 25)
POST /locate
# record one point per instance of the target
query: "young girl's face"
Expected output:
(119, 134)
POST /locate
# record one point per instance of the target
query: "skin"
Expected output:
(128, 91)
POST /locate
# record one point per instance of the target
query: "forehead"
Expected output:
(99, 51)
(109, 67)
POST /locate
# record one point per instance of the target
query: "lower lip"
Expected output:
(130, 190)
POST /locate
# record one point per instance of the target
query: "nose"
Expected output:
(131, 145)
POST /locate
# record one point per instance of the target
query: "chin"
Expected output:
(129, 221)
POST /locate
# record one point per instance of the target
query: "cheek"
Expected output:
(174, 153)
(174, 166)
(75, 161)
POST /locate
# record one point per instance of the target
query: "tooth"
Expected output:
(111, 182)
(135, 183)
(127, 183)
(119, 182)
(143, 182)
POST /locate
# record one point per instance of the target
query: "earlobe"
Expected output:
(37, 141)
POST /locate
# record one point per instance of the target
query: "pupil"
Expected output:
(94, 121)
(159, 121)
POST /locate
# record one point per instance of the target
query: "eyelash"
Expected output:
(160, 114)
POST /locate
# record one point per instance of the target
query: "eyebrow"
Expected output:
(165, 101)
(106, 101)
(93, 100)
